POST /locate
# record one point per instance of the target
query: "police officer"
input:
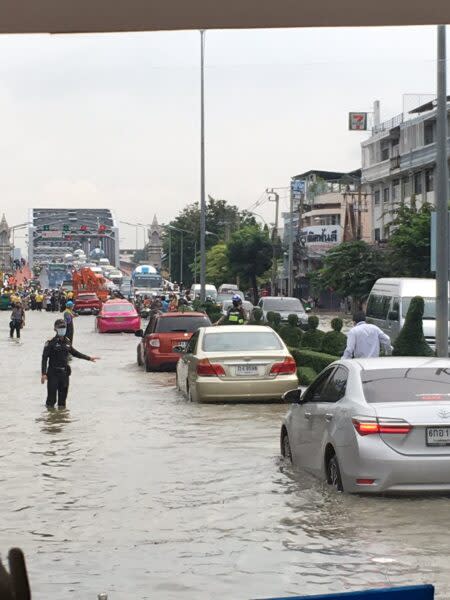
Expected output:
(55, 369)
(235, 314)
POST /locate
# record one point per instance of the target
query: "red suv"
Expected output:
(164, 333)
(87, 303)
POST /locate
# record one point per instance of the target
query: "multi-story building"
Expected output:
(398, 164)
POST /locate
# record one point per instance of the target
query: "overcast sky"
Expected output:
(113, 120)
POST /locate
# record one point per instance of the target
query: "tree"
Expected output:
(409, 244)
(217, 265)
(222, 219)
(250, 255)
(350, 269)
(411, 341)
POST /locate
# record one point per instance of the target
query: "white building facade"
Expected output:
(398, 165)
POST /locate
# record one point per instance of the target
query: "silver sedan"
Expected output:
(374, 425)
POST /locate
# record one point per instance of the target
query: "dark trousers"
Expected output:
(15, 326)
(69, 332)
(57, 387)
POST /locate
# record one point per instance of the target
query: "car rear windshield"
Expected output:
(241, 341)
(87, 297)
(406, 385)
(117, 308)
(283, 304)
(184, 324)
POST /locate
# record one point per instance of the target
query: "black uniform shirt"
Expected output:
(56, 354)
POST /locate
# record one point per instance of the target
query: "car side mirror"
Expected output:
(178, 349)
(139, 333)
(393, 315)
(293, 396)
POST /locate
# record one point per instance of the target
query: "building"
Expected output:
(154, 247)
(54, 232)
(329, 207)
(398, 164)
(5, 245)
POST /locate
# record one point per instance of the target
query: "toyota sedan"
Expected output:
(118, 315)
(374, 425)
(235, 363)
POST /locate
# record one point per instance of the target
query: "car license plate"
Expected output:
(438, 436)
(246, 370)
(120, 318)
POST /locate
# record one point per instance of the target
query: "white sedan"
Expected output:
(235, 363)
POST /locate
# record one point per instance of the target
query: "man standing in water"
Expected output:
(55, 369)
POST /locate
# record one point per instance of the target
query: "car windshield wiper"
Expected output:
(178, 331)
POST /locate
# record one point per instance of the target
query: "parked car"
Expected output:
(389, 301)
(117, 315)
(285, 306)
(228, 288)
(165, 332)
(227, 295)
(374, 425)
(87, 303)
(236, 363)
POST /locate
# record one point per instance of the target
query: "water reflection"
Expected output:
(53, 420)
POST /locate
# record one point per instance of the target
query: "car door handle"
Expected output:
(308, 415)
(328, 417)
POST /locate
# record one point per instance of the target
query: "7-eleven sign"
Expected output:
(357, 121)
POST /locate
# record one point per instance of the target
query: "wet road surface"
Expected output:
(135, 492)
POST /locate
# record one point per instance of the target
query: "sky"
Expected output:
(112, 120)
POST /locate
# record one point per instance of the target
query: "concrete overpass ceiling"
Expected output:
(83, 16)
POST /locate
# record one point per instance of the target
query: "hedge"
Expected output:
(310, 358)
(306, 375)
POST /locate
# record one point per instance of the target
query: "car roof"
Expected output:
(182, 314)
(117, 301)
(234, 328)
(279, 298)
(397, 362)
(406, 286)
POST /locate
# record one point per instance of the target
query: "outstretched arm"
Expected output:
(77, 354)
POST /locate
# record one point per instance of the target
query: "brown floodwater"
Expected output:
(133, 491)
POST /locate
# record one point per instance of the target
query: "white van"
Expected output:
(210, 290)
(389, 301)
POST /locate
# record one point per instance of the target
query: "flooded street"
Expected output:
(137, 493)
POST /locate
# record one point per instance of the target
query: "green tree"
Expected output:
(250, 255)
(409, 244)
(411, 341)
(350, 269)
(222, 219)
(217, 265)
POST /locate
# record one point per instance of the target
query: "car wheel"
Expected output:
(334, 474)
(139, 357)
(286, 447)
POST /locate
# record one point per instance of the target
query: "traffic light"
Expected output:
(46, 228)
(66, 227)
(84, 228)
(102, 228)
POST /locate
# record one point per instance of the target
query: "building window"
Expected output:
(386, 195)
(396, 189)
(418, 183)
(377, 235)
(429, 180)
(376, 197)
(384, 151)
(428, 133)
(406, 184)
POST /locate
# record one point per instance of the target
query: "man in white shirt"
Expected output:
(364, 340)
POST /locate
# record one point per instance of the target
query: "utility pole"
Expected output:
(442, 230)
(276, 199)
(181, 259)
(291, 244)
(202, 170)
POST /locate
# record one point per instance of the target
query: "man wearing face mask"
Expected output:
(55, 369)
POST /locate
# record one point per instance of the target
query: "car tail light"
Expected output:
(365, 481)
(287, 367)
(207, 369)
(154, 342)
(371, 425)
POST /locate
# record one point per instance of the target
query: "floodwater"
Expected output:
(137, 493)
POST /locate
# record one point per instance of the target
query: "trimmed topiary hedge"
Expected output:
(411, 341)
(306, 375)
(334, 342)
(309, 358)
(313, 337)
(291, 334)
